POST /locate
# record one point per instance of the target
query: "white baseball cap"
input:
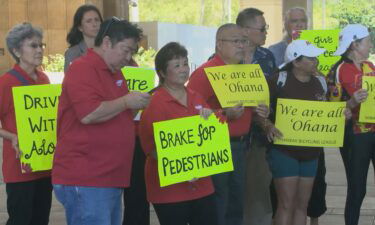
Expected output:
(350, 33)
(300, 47)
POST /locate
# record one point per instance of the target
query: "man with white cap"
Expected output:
(293, 167)
(345, 84)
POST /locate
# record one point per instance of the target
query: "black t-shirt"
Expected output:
(295, 89)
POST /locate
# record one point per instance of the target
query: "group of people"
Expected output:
(104, 159)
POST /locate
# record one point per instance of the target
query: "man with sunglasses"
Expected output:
(257, 203)
(95, 128)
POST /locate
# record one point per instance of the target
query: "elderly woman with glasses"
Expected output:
(28, 193)
(187, 202)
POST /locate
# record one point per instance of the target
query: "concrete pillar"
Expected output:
(118, 8)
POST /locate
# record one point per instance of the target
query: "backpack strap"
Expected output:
(323, 82)
(19, 77)
(281, 79)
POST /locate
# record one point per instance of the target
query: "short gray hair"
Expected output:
(287, 14)
(18, 34)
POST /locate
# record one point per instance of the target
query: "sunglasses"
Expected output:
(109, 24)
(38, 45)
(263, 29)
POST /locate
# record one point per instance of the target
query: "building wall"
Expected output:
(55, 17)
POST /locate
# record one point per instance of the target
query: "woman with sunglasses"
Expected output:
(28, 193)
(345, 81)
(86, 23)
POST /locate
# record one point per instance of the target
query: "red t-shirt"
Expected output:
(11, 165)
(98, 154)
(164, 107)
(199, 82)
(349, 77)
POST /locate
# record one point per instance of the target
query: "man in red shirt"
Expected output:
(229, 187)
(96, 134)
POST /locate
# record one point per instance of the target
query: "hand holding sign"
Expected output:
(366, 113)
(136, 100)
(190, 148)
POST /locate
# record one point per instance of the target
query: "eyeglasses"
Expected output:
(237, 41)
(113, 20)
(263, 29)
(38, 45)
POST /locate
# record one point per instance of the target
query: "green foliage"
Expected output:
(53, 63)
(356, 11)
(339, 13)
(372, 58)
(145, 58)
(187, 11)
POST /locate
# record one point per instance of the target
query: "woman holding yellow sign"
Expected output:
(294, 167)
(29, 194)
(345, 80)
(187, 202)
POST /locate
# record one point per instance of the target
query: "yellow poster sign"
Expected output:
(36, 112)
(310, 123)
(139, 79)
(367, 111)
(327, 39)
(234, 84)
(191, 147)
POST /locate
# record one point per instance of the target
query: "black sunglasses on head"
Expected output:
(112, 20)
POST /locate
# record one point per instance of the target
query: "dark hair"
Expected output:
(117, 30)
(289, 66)
(170, 51)
(75, 35)
(349, 49)
(246, 15)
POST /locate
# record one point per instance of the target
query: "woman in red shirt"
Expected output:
(29, 194)
(188, 202)
(345, 81)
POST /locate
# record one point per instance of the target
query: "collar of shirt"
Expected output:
(26, 76)
(259, 54)
(169, 98)
(97, 61)
(217, 60)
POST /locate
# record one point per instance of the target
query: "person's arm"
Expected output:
(357, 98)
(13, 138)
(71, 54)
(109, 109)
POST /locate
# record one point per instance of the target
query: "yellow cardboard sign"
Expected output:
(310, 123)
(139, 79)
(36, 112)
(191, 147)
(327, 39)
(234, 84)
(367, 111)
